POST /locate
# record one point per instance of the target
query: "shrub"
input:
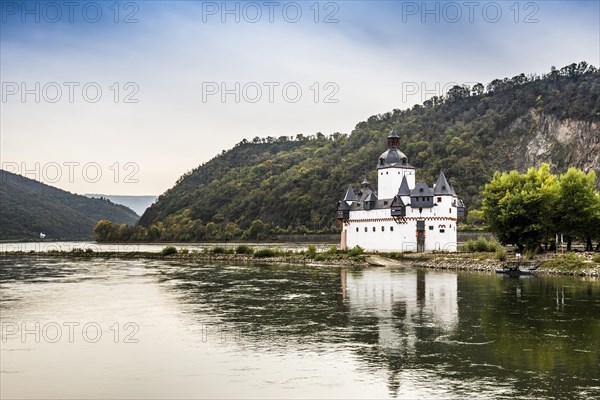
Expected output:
(167, 251)
(312, 251)
(184, 251)
(332, 250)
(596, 259)
(89, 250)
(480, 245)
(356, 251)
(218, 250)
(264, 253)
(243, 249)
(569, 261)
(501, 254)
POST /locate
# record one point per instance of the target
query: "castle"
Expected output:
(403, 215)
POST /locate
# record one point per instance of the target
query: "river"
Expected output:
(167, 329)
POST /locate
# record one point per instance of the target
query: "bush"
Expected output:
(569, 261)
(356, 251)
(312, 251)
(184, 251)
(480, 245)
(218, 250)
(243, 249)
(332, 250)
(264, 253)
(501, 254)
(167, 251)
(596, 259)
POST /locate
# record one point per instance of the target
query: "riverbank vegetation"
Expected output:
(536, 209)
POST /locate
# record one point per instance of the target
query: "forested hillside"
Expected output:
(28, 207)
(293, 184)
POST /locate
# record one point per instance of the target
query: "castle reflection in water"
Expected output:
(402, 302)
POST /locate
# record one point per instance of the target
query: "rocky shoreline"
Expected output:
(463, 262)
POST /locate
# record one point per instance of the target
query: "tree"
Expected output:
(577, 215)
(102, 230)
(519, 206)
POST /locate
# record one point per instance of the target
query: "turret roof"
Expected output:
(350, 195)
(442, 187)
(404, 190)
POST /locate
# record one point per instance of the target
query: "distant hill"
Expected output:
(294, 183)
(136, 203)
(28, 207)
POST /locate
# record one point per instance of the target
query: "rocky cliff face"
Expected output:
(561, 143)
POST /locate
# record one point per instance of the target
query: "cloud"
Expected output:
(363, 61)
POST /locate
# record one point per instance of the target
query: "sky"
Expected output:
(125, 97)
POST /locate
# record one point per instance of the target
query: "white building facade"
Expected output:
(403, 215)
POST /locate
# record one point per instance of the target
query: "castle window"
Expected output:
(391, 229)
(366, 229)
(386, 172)
(450, 210)
(385, 202)
(356, 229)
(374, 229)
(439, 199)
(442, 230)
(430, 227)
(383, 229)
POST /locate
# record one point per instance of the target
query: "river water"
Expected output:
(169, 329)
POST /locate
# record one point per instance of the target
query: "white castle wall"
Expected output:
(376, 230)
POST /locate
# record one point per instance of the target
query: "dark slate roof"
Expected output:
(393, 134)
(421, 189)
(371, 197)
(397, 202)
(442, 187)
(365, 183)
(379, 204)
(342, 206)
(393, 158)
(364, 193)
(350, 195)
(404, 189)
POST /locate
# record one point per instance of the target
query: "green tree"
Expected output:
(577, 215)
(102, 230)
(519, 206)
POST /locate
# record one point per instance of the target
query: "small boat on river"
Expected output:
(518, 268)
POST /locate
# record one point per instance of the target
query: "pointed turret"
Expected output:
(365, 183)
(404, 190)
(350, 195)
(442, 187)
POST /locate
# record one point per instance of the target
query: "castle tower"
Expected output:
(392, 167)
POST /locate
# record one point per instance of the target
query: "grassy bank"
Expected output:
(491, 258)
